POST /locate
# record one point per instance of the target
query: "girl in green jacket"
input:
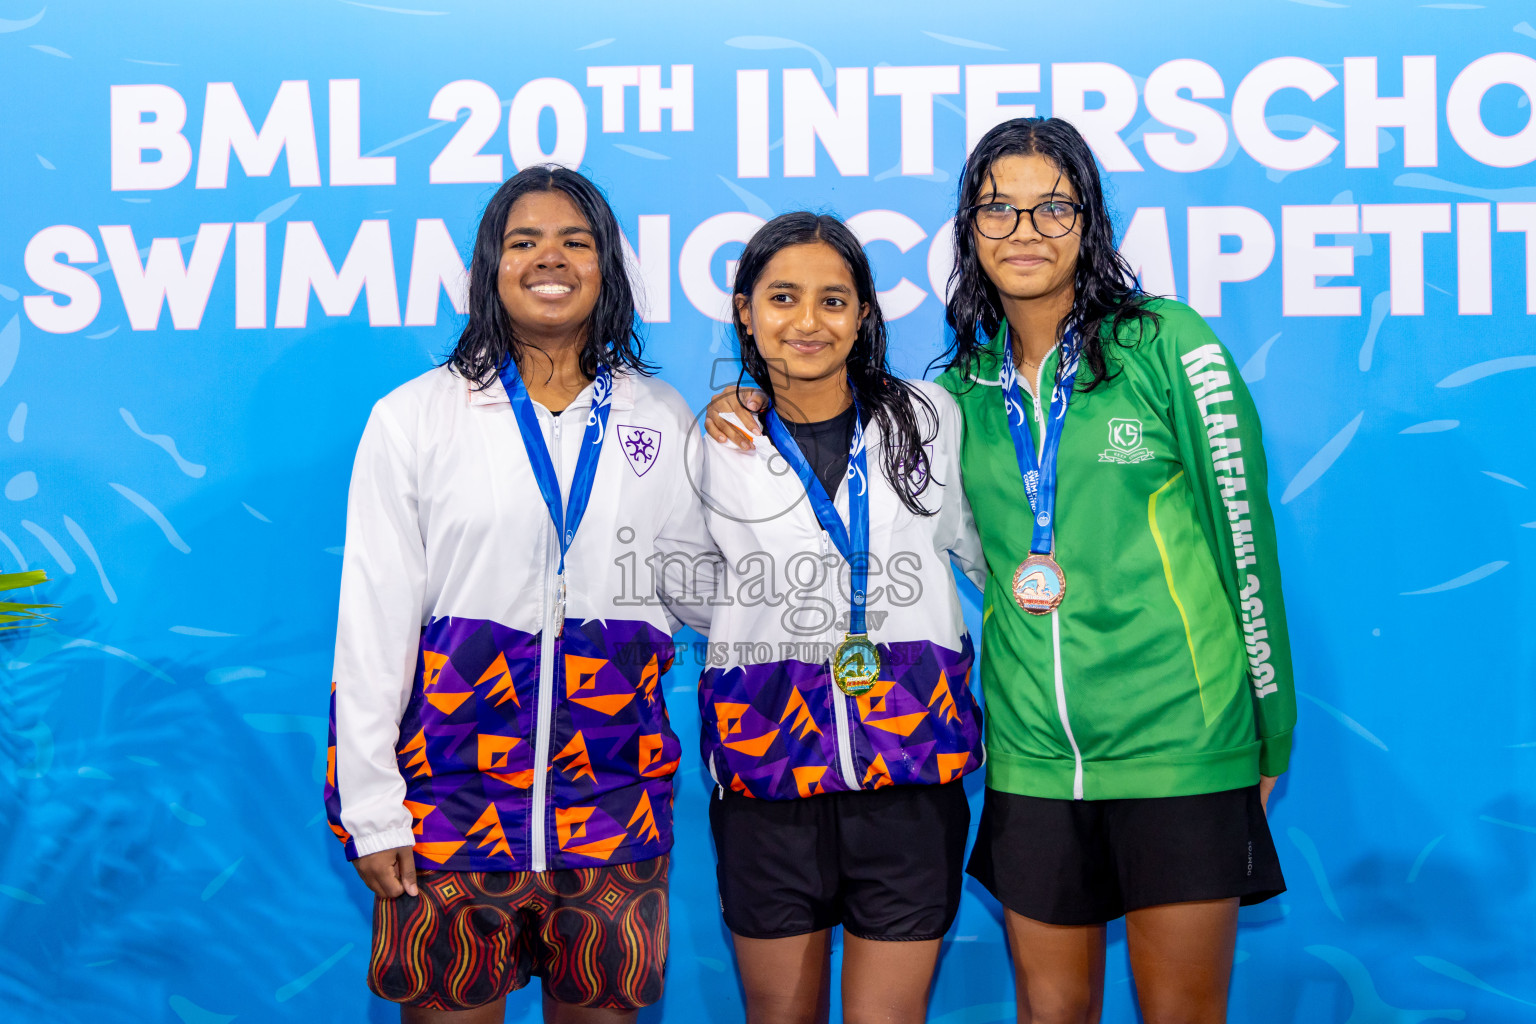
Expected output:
(1135, 660)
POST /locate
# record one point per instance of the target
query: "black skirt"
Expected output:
(1080, 862)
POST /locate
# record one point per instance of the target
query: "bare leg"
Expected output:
(1058, 970)
(786, 981)
(1181, 956)
(556, 1012)
(490, 1013)
(887, 982)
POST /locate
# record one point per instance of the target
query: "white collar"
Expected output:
(496, 394)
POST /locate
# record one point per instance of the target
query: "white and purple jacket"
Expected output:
(463, 722)
(774, 724)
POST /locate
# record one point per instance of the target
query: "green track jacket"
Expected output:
(1167, 670)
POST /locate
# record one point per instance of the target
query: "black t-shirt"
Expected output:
(825, 446)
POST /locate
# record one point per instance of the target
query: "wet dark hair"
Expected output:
(885, 398)
(488, 339)
(1105, 290)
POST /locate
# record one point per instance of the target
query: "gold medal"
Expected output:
(855, 664)
(1039, 585)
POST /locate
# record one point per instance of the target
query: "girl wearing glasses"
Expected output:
(1135, 659)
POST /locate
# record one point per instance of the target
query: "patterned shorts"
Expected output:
(596, 936)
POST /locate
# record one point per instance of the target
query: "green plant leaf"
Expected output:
(19, 614)
(14, 580)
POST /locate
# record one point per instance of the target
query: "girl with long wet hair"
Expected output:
(841, 723)
(490, 650)
(1136, 663)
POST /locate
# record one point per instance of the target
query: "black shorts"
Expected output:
(1077, 862)
(885, 863)
(596, 936)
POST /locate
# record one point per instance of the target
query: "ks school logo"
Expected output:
(641, 445)
(1125, 445)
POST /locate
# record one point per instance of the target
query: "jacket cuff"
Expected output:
(1275, 754)
(389, 840)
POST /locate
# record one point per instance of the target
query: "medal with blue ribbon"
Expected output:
(855, 660)
(566, 517)
(1039, 584)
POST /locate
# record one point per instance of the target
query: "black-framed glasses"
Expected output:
(1052, 218)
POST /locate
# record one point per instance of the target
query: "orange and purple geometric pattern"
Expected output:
(769, 730)
(466, 747)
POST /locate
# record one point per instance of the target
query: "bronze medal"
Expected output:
(1039, 585)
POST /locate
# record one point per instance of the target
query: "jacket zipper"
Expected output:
(548, 652)
(1061, 686)
(839, 698)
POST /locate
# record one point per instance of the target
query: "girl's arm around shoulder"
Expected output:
(956, 523)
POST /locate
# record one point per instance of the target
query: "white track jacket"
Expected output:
(464, 722)
(774, 724)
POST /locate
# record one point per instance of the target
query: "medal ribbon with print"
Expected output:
(566, 517)
(855, 661)
(1039, 584)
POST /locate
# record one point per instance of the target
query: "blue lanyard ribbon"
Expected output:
(1039, 471)
(566, 519)
(852, 539)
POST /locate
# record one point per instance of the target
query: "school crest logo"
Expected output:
(641, 446)
(1125, 445)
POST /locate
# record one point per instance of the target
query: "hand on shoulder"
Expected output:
(742, 406)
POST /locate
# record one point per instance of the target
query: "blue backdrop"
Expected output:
(182, 471)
